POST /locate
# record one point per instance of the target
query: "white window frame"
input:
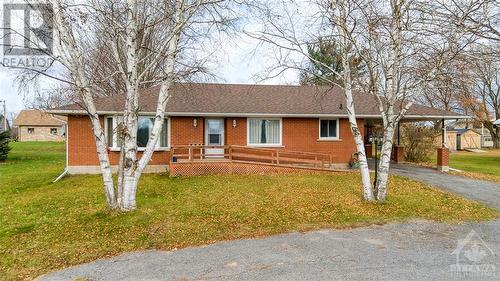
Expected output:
(329, 138)
(157, 146)
(280, 144)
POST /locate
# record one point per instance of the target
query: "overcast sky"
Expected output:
(238, 61)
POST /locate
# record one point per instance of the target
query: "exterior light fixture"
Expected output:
(195, 122)
(234, 123)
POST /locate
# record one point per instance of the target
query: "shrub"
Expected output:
(418, 141)
(4, 145)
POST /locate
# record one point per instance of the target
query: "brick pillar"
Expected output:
(368, 150)
(398, 153)
(443, 159)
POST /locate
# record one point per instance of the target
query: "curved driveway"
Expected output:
(483, 191)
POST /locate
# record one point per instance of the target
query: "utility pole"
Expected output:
(4, 115)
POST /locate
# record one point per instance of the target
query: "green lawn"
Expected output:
(47, 226)
(485, 163)
(477, 165)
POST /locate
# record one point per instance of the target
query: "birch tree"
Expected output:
(386, 55)
(402, 51)
(478, 17)
(330, 21)
(116, 47)
(392, 39)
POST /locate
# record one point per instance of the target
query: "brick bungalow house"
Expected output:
(305, 119)
(36, 125)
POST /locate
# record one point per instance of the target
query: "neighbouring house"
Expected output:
(486, 139)
(212, 121)
(36, 125)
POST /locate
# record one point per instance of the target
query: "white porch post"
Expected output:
(445, 143)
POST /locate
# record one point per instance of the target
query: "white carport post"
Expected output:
(444, 138)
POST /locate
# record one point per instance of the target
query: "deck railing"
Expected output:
(205, 153)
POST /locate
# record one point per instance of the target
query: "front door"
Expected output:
(214, 136)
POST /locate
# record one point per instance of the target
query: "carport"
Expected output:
(398, 151)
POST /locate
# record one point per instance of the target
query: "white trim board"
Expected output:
(237, 114)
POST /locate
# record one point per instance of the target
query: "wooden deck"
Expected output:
(233, 159)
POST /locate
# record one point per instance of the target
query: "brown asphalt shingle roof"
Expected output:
(31, 117)
(254, 99)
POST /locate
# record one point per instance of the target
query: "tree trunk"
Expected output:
(384, 162)
(102, 153)
(495, 136)
(129, 165)
(129, 192)
(358, 139)
(129, 147)
(69, 57)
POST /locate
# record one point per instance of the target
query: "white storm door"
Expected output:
(214, 136)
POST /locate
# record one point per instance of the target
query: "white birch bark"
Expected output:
(391, 120)
(144, 49)
(66, 47)
(132, 167)
(358, 139)
(386, 104)
(129, 181)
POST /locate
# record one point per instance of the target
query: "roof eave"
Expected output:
(239, 114)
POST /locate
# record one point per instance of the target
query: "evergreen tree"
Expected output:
(4, 145)
(324, 53)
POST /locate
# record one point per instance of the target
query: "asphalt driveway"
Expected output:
(417, 250)
(412, 251)
(483, 191)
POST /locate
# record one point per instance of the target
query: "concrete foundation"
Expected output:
(92, 170)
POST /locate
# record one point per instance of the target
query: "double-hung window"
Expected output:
(329, 129)
(114, 124)
(264, 131)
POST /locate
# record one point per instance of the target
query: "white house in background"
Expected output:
(487, 138)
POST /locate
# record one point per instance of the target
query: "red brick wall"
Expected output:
(236, 135)
(300, 134)
(81, 142)
(82, 148)
(184, 133)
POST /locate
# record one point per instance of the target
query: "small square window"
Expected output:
(328, 129)
(53, 131)
(31, 130)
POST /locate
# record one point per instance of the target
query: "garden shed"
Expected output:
(468, 139)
